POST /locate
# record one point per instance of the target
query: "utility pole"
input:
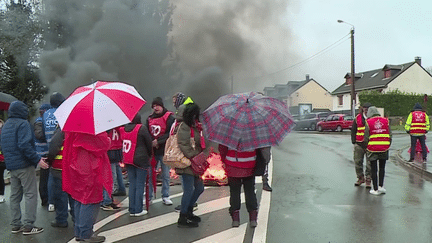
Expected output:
(353, 94)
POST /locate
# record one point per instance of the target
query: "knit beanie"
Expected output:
(158, 101)
(180, 98)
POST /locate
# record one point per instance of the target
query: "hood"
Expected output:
(18, 109)
(373, 111)
(56, 99)
(179, 113)
(417, 107)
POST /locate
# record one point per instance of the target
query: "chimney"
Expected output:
(418, 60)
(307, 77)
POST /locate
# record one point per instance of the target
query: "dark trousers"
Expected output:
(2, 183)
(375, 180)
(422, 140)
(61, 198)
(249, 190)
(43, 185)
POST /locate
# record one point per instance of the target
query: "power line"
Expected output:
(330, 47)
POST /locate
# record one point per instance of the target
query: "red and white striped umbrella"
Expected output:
(98, 107)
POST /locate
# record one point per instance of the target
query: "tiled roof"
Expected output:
(373, 79)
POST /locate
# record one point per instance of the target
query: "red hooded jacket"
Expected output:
(86, 166)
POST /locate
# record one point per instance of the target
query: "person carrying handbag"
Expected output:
(192, 183)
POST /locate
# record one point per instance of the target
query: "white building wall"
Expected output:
(413, 80)
(346, 104)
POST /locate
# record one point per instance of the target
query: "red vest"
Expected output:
(238, 159)
(418, 122)
(57, 163)
(1, 157)
(360, 128)
(116, 141)
(158, 126)
(379, 134)
(129, 144)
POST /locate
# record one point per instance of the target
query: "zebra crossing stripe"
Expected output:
(260, 233)
(232, 235)
(151, 224)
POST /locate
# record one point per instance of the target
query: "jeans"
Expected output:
(249, 190)
(23, 183)
(107, 200)
(165, 178)
(193, 187)
(85, 218)
(60, 198)
(117, 178)
(422, 140)
(137, 179)
(378, 181)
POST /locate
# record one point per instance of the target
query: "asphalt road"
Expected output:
(314, 200)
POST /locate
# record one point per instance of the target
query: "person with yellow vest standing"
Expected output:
(378, 138)
(357, 138)
(417, 125)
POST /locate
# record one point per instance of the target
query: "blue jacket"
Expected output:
(17, 139)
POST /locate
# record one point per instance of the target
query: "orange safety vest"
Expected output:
(379, 134)
(57, 163)
(418, 122)
(360, 128)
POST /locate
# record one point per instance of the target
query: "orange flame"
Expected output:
(216, 172)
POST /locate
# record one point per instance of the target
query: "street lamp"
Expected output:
(353, 95)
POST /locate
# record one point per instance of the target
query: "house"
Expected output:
(410, 77)
(302, 96)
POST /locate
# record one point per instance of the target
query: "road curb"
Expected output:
(413, 166)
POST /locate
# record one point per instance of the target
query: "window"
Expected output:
(387, 73)
(340, 99)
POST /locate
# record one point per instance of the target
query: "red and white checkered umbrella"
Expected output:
(247, 121)
(98, 107)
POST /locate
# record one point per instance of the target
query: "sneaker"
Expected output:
(382, 189)
(57, 225)
(51, 208)
(31, 231)
(2, 199)
(150, 202)
(93, 238)
(368, 183)
(359, 181)
(373, 192)
(17, 229)
(110, 207)
(167, 201)
(144, 212)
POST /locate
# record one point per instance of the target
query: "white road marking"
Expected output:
(260, 233)
(229, 235)
(150, 224)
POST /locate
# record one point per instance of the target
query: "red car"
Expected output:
(336, 122)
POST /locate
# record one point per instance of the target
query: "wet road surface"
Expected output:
(314, 200)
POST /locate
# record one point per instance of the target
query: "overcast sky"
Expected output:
(386, 32)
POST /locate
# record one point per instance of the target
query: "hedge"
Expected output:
(395, 103)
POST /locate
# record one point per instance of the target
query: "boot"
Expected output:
(266, 187)
(360, 180)
(235, 218)
(368, 183)
(253, 216)
(184, 222)
(192, 217)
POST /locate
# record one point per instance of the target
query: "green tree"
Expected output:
(19, 48)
